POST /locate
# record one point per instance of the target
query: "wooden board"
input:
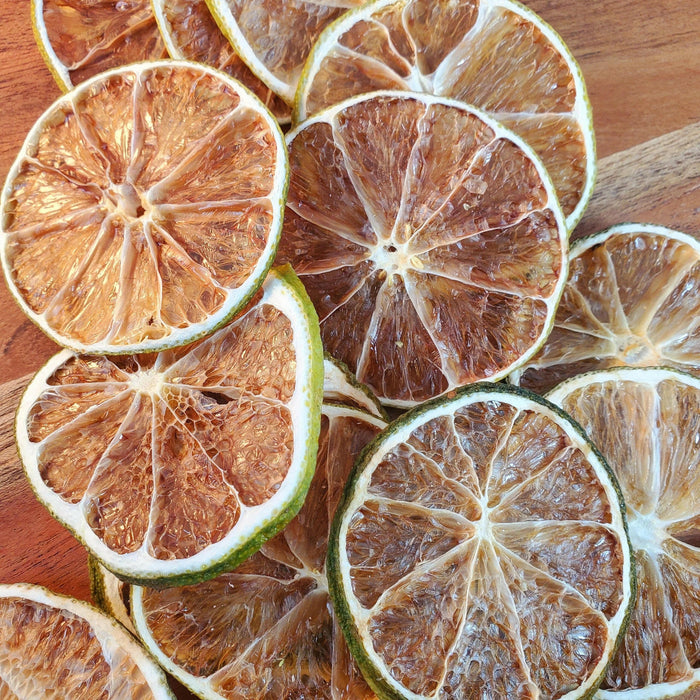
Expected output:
(641, 61)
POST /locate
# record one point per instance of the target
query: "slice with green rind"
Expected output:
(646, 421)
(53, 646)
(480, 550)
(172, 467)
(341, 386)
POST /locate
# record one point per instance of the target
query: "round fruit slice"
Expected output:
(190, 33)
(54, 647)
(340, 386)
(632, 299)
(495, 54)
(79, 39)
(267, 630)
(275, 38)
(429, 238)
(646, 421)
(171, 467)
(480, 550)
(144, 208)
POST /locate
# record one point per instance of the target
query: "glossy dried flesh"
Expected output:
(632, 299)
(91, 37)
(647, 424)
(142, 209)
(267, 630)
(492, 54)
(162, 455)
(427, 240)
(47, 652)
(483, 556)
(194, 35)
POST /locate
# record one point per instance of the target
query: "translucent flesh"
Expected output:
(89, 38)
(52, 653)
(121, 227)
(487, 56)
(426, 245)
(165, 453)
(630, 301)
(649, 434)
(463, 600)
(198, 38)
(266, 630)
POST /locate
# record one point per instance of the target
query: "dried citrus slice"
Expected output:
(171, 467)
(341, 386)
(144, 208)
(429, 238)
(646, 421)
(79, 39)
(480, 550)
(274, 38)
(632, 299)
(55, 647)
(190, 32)
(266, 630)
(495, 54)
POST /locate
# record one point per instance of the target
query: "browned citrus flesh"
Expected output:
(429, 241)
(144, 208)
(267, 630)
(87, 38)
(632, 299)
(193, 34)
(647, 422)
(493, 54)
(480, 552)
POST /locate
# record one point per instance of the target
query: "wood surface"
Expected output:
(641, 62)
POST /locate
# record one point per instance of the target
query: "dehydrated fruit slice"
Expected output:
(480, 550)
(341, 386)
(52, 646)
(646, 421)
(144, 208)
(632, 299)
(171, 467)
(495, 54)
(430, 241)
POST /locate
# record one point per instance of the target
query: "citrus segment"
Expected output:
(57, 647)
(266, 629)
(428, 271)
(80, 39)
(494, 54)
(445, 589)
(645, 421)
(171, 466)
(275, 38)
(144, 208)
(631, 300)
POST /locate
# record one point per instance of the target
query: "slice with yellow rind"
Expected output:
(190, 32)
(429, 238)
(171, 467)
(480, 550)
(54, 647)
(266, 630)
(632, 299)
(646, 421)
(144, 208)
(80, 39)
(495, 54)
(275, 38)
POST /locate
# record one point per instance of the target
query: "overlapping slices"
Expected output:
(495, 54)
(632, 299)
(266, 629)
(429, 239)
(173, 466)
(646, 421)
(480, 550)
(144, 208)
